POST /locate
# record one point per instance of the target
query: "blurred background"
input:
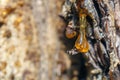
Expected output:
(32, 42)
(33, 45)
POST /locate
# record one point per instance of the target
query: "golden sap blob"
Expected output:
(82, 44)
(70, 33)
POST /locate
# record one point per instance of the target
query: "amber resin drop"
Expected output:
(70, 33)
(81, 43)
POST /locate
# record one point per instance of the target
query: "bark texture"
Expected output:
(33, 45)
(102, 33)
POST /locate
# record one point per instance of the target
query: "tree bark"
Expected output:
(33, 45)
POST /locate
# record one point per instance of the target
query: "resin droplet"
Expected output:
(81, 43)
(70, 33)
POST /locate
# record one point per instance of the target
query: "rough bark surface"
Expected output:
(33, 45)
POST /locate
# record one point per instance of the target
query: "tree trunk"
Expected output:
(34, 43)
(100, 21)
